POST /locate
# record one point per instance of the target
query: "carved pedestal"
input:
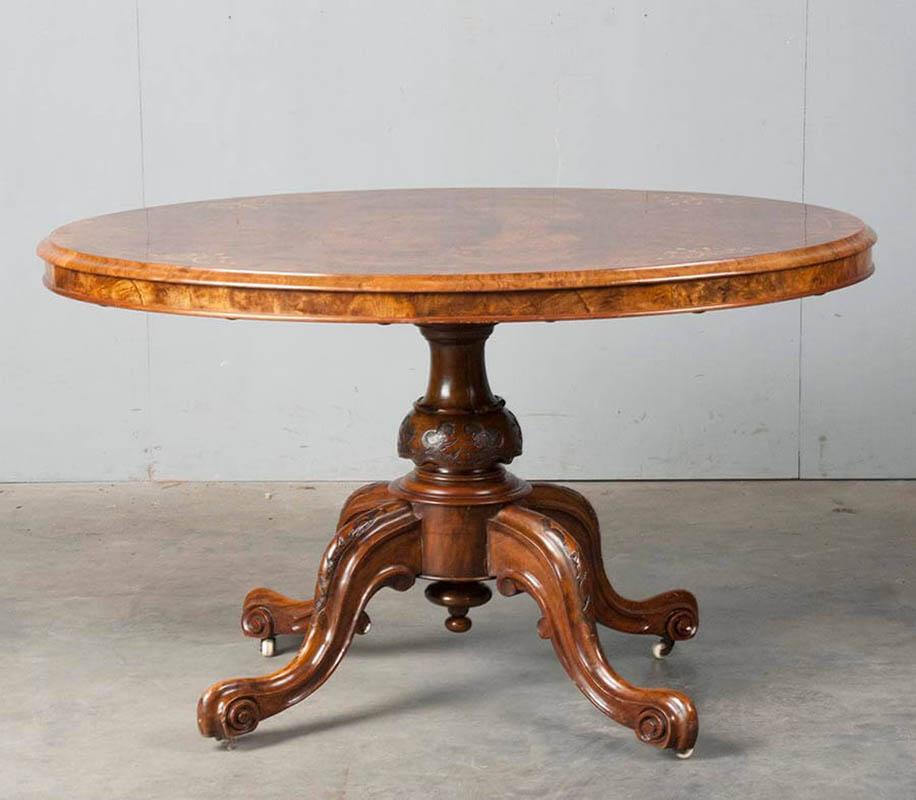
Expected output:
(460, 519)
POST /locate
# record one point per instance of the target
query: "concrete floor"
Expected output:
(120, 604)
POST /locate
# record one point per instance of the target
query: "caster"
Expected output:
(662, 648)
(268, 647)
(684, 753)
(363, 624)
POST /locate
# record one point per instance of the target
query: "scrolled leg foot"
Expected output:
(379, 547)
(535, 554)
(673, 616)
(266, 614)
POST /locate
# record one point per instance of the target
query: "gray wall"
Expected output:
(109, 105)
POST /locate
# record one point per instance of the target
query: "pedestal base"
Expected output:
(548, 546)
(460, 519)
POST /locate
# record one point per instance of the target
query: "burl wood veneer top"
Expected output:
(458, 255)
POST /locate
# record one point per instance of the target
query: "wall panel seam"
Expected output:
(801, 302)
(147, 441)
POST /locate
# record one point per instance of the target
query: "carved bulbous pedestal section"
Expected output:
(459, 519)
(456, 441)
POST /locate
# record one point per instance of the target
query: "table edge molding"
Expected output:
(677, 294)
(584, 278)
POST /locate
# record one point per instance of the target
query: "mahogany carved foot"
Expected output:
(672, 616)
(266, 613)
(531, 552)
(375, 547)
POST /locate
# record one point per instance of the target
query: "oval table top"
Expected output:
(458, 255)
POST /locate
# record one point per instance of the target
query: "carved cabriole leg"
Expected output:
(531, 552)
(671, 615)
(266, 613)
(375, 548)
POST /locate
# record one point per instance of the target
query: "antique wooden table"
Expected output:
(455, 262)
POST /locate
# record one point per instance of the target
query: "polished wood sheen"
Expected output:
(458, 255)
(456, 262)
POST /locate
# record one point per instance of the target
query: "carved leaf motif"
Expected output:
(440, 438)
(456, 443)
(516, 430)
(574, 554)
(484, 439)
(405, 437)
(345, 538)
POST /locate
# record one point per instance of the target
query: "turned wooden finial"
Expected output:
(458, 597)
